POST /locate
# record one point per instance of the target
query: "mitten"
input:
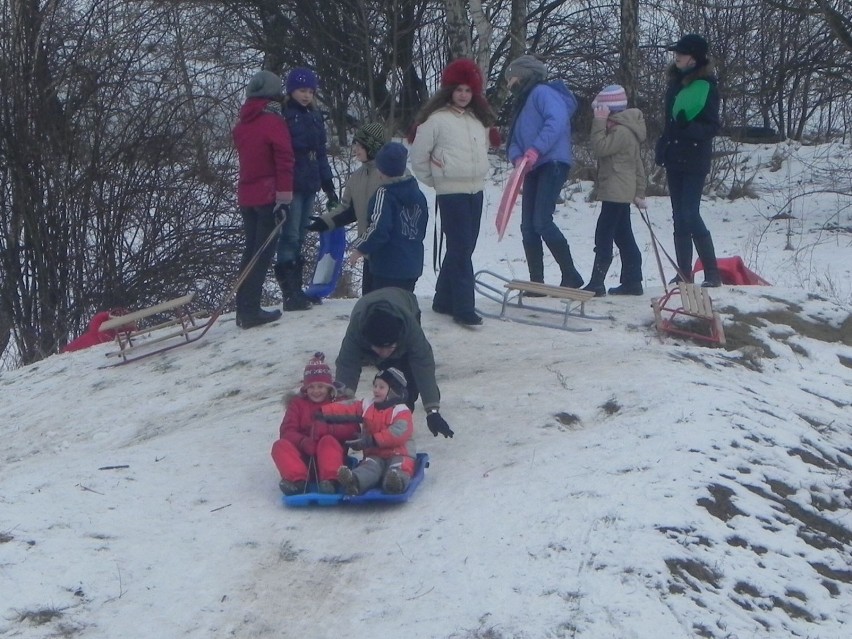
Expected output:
(601, 112)
(317, 224)
(308, 446)
(681, 120)
(640, 202)
(320, 430)
(283, 196)
(280, 211)
(364, 441)
(332, 201)
(494, 138)
(531, 155)
(438, 425)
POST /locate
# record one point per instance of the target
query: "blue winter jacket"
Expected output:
(544, 124)
(394, 239)
(307, 133)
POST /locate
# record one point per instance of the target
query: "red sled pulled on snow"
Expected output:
(372, 496)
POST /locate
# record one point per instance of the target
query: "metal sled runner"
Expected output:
(513, 294)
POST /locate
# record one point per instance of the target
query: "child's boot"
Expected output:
(291, 487)
(348, 480)
(326, 487)
(396, 481)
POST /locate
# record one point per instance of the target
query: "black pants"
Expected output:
(258, 223)
(461, 215)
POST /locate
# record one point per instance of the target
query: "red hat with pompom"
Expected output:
(317, 372)
(463, 71)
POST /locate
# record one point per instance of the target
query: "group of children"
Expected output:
(318, 432)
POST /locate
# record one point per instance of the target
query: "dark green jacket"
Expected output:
(355, 351)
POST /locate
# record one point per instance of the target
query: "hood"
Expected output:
(567, 96)
(634, 120)
(253, 108)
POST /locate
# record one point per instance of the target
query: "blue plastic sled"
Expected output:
(372, 496)
(332, 247)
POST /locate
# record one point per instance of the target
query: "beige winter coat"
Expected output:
(616, 143)
(450, 152)
(360, 187)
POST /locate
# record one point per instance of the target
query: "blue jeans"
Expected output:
(293, 232)
(614, 226)
(538, 203)
(461, 215)
(685, 193)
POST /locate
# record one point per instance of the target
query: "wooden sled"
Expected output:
(127, 332)
(695, 303)
(513, 294)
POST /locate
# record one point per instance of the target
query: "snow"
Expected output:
(600, 484)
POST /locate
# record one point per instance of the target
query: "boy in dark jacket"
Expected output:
(398, 217)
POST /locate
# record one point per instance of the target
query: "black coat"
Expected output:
(688, 146)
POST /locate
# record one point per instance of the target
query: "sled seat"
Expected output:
(695, 302)
(512, 294)
(127, 326)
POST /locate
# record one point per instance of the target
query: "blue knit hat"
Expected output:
(301, 78)
(391, 159)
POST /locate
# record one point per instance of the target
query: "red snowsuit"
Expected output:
(392, 429)
(266, 154)
(304, 436)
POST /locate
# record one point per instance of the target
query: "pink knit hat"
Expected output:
(612, 96)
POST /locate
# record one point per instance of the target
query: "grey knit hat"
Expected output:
(371, 136)
(526, 67)
(264, 84)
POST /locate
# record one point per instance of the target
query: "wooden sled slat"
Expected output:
(514, 294)
(695, 303)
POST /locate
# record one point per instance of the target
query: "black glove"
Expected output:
(280, 212)
(438, 425)
(317, 224)
(681, 120)
(364, 441)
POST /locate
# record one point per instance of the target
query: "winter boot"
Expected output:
(395, 482)
(257, 318)
(627, 289)
(705, 250)
(326, 487)
(562, 254)
(596, 281)
(535, 262)
(289, 279)
(683, 257)
(291, 487)
(348, 480)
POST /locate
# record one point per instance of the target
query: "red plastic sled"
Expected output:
(734, 272)
(510, 196)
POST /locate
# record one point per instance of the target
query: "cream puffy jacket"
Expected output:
(450, 152)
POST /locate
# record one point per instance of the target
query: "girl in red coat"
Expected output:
(307, 440)
(385, 438)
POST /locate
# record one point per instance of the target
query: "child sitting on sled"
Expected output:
(306, 440)
(385, 437)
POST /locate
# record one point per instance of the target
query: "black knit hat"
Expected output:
(380, 328)
(395, 380)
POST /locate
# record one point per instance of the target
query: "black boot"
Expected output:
(257, 318)
(596, 281)
(704, 247)
(290, 281)
(683, 257)
(535, 260)
(562, 254)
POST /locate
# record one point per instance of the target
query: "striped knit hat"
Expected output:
(612, 96)
(317, 372)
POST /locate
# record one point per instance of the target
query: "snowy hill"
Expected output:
(601, 484)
